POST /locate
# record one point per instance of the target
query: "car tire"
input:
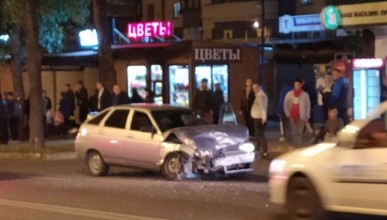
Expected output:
(173, 166)
(303, 201)
(96, 164)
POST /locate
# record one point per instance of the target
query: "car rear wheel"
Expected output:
(96, 164)
(172, 168)
(303, 201)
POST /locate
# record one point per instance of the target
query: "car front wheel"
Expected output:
(172, 168)
(96, 164)
(303, 201)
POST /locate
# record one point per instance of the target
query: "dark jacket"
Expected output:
(105, 100)
(203, 100)
(120, 99)
(82, 97)
(136, 98)
(65, 107)
(71, 99)
(217, 101)
(247, 102)
(340, 93)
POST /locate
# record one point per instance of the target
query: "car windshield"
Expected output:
(168, 119)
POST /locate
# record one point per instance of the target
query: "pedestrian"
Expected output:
(119, 97)
(259, 116)
(4, 137)
(339, 97)
(203, 101)
(284, 122)
(217, 102)
(136, 98)
(93, 102)
(103, 99)
(15, 112)
(247, 100)
(313, 99)
(149, 95)
(66, 109)
(71, 97)
(297, 109)
(82, 100)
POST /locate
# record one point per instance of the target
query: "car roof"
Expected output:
(151, 107)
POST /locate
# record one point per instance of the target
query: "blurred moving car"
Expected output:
(162, 138)
(348, 176)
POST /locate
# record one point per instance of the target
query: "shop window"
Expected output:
(179, 85)
(176, 9)
(136, 79)
(157, 83)
(306, 2)
(214, 74)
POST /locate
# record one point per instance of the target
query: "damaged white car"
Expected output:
(162, 138)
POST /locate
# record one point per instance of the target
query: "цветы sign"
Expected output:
(217, 54)
(150, 29)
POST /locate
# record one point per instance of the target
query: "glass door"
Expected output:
(179, 85)
(157, 83)
(366, 83)
(214, 74)
(136, 77)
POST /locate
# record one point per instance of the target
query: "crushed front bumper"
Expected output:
(238, 163)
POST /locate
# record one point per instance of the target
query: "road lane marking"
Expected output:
(73, 211)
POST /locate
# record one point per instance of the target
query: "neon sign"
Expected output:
(88, 38)
(149, 29)
(368, 63)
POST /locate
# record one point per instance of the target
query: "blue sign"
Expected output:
(300, 23)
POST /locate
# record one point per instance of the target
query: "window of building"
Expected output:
(306, 2)
(117, 119)
(150, 12)
(176, 9)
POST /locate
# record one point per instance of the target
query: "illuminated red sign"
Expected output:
(150, 29)
(368, 63)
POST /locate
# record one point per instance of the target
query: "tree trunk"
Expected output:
(17, 78)
(106, 69)
(34, 57)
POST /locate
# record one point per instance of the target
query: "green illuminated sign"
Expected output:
(330, 17)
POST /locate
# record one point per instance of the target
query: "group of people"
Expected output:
(207, 103)
(64, 116)
(295, 108)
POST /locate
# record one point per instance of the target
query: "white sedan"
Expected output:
(349, 176)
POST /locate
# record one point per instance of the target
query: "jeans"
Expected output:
(297, 127)
(260, 135)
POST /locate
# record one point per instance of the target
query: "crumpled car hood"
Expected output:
(212, 137)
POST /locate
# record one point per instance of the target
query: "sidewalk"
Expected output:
(60, 149)
(55, 149)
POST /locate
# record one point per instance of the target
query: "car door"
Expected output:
(145, 141)
(113, 137)
(360, 172)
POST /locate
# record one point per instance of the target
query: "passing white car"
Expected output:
(162, 138)
(349, 176)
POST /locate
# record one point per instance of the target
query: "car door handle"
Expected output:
(101, 132)
(130, 136)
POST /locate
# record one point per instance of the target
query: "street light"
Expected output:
(256, 25)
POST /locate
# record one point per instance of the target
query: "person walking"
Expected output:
(339, 96)
(103, 98)
(284, 122)
(119, 97)
(297, 109)
(202, 101)
(82, 100)
(217, 102)
(71, 97)
(259, 116)
(247, 100)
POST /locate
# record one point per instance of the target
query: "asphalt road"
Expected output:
(64, 190)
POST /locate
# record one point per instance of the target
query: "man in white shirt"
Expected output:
(259, 115)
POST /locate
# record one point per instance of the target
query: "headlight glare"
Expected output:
(277, 166)
(247, 147)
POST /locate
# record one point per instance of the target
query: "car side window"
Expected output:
(117, 119)
(97, 119)
(140, 122)
(374, 135)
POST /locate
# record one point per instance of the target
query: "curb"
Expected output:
(39, 156)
